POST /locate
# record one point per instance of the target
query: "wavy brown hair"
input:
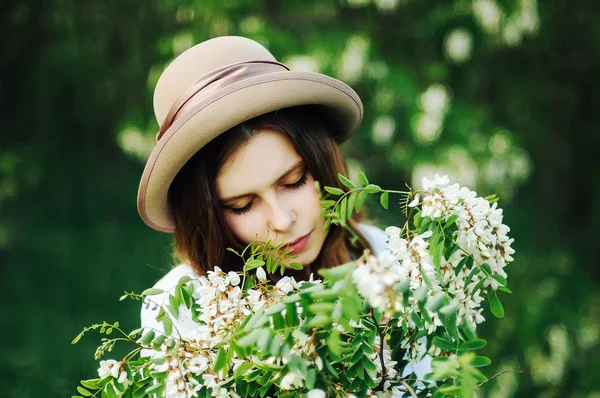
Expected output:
(201, 234)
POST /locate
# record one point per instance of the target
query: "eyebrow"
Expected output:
(289, 171)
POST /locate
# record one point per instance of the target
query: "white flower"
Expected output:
(316, 394)
(415, 201)
(234, 278)
(122, 378)
(286, 284)
(291, 380)
(438, 182)
(109, 368)
(260, 274)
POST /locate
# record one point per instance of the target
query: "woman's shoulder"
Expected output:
(172, 277)
(375, 236)
(152, 304)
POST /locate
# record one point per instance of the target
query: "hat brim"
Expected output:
(226, 109)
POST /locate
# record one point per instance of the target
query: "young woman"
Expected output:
(241, 143)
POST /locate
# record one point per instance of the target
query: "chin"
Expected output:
(306, 258)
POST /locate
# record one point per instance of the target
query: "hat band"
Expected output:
(215, 81)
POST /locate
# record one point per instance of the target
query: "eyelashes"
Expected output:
(241, 210)
(296, 185)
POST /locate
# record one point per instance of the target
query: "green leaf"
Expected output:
(158, 360)
(478, 286)
(174, 310)
(360, 200)
(167, 325)
(473, 344)
(346, 181)
(480, 361)
(296, 266)
(437, 254)
(504, 289)
(334, 191)
(368, 364)
(416, 319)
(158, 340)
(253, 264)
(460, 265)
(154, 388)
(221, 359)
(342, 210)
(152, 292)
(321, 307)
(333, 342)
(443, 344)
(451, 390)
(436, 302)
(147, 337)
(336, 273)
(420, 294)
(478, 376)
(404, 286)
(471, 275)
(242, 369)
(91, 384)
(109, 389)
(311, 377)
(451, 250)
(275, 309)
(84, 392)
(384, 200)
(363, 178)
(451, 220)
(486, 268)
(319, 320)
(276, 345)
(291, 315)
(249, 339)
(372, 188)
(351, 201)
(327, 203)
(330, 368)
(278, 321)
(501, 280)
(496, 307)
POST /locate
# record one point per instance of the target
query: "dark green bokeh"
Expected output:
(77, 73)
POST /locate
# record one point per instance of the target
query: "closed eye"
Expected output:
(242, 210)
(298, 183)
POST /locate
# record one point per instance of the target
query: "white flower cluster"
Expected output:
(115, 370)
(223, 306)
(480, 233)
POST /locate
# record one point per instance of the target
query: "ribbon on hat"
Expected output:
(215, 81)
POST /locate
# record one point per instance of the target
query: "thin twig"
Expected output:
(381, 343)
(410, 390)
(498, 374)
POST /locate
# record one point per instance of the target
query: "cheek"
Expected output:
(306, 201)
(244, 228)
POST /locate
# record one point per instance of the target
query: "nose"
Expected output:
(281, 217)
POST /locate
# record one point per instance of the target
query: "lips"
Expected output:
(299, 243)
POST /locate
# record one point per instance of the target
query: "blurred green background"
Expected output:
(502, 95)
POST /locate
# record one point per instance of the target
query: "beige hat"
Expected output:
(215, 86)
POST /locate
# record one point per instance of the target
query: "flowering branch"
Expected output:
(353, 332)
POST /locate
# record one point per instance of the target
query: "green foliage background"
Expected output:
(521, 119)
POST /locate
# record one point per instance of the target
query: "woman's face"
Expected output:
(266, 193)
